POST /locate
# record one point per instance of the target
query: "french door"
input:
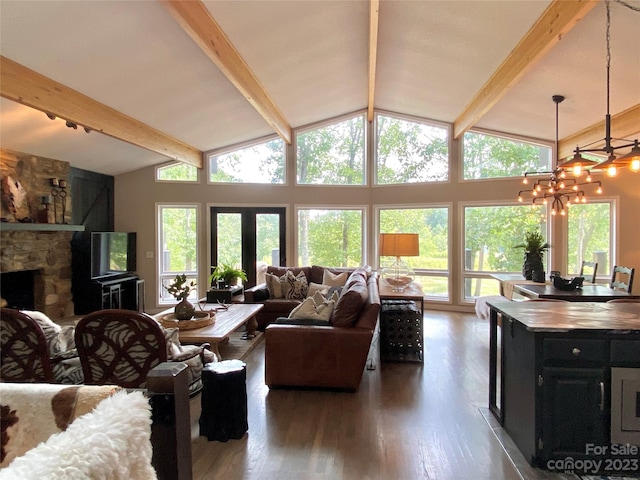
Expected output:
(250, 237)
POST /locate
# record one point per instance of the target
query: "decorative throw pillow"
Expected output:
(275, 285)
(308, 309)
(295, 286)
(59, 339)
(180, 353)
(317, 287)
(334, 279)
(320, 298)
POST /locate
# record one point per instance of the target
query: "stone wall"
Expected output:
(47, 252)
(30, 181)
(50, 254)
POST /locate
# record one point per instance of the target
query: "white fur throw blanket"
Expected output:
(110, 442)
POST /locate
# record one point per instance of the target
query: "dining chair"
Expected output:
(591, 266)
(618, 283)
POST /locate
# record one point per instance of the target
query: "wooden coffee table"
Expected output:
(227, 321)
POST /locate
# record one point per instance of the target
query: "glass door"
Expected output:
(248, 237)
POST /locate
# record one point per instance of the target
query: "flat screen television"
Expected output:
(112, 253)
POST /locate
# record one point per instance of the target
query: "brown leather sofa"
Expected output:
(326, 356)
(275, 308)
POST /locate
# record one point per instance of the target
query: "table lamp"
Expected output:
(398, 275)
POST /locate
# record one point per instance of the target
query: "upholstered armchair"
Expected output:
(120, 347)
(35, 349)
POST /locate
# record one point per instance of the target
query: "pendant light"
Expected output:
(611, 164)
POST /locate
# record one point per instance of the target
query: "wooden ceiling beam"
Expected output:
(625, 124)
(30, 88)
(374, 14)
(198, 23)
(558, 19)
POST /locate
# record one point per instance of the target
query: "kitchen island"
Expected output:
(564, 382)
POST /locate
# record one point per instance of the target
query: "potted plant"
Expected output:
(225, 275)
(180, 289)
(534, 246)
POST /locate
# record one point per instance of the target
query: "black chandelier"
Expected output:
(557, 190)
(611, 164)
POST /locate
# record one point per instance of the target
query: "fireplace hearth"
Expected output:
(36, 271)
(17, 289)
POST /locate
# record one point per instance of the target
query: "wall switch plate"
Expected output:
(149, 254)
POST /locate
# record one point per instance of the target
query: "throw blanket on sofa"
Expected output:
(31, 414)
(112, 441)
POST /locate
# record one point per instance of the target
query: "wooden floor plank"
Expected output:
(407, 421)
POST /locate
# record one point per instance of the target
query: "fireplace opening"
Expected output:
(18, 289)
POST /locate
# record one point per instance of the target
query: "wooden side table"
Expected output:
(413, 292)
(224, 400)
(225, 295)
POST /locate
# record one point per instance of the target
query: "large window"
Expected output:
(490, 236)
(330, 237)
(410, 151)
(590, 236)
(177, 247)
(177, 172)
(490, 156)
(332, 154)
(432, 226)
(260, 163)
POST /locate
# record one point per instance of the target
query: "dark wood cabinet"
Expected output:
(121, 292)
(92, 208)
(573, 412)
(556, 392)
(551, 382)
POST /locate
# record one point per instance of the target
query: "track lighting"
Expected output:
(69, 123)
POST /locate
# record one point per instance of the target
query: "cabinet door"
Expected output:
(115, 294)
(574, 406)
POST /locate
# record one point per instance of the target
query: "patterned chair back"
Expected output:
(24, 355)
(119, 347)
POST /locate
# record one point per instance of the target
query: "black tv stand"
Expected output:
(117, 291)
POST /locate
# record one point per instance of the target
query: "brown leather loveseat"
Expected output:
(330, 355)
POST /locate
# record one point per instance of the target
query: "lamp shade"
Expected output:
(399, 245)
(631, 159)
(577, 163)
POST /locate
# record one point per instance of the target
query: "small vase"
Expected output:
(532, 262)
(538, 276)
(184, 310)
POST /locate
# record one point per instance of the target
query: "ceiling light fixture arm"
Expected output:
(631, 159)
(556, 190)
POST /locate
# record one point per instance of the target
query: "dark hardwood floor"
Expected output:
(407, 421)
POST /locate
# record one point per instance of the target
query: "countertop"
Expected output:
(566, 316)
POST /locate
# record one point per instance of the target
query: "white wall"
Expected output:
(137, 193)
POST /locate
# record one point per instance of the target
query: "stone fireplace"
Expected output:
(48, 255)
(35, 256)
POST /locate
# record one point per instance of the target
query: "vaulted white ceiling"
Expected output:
(311, 57)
